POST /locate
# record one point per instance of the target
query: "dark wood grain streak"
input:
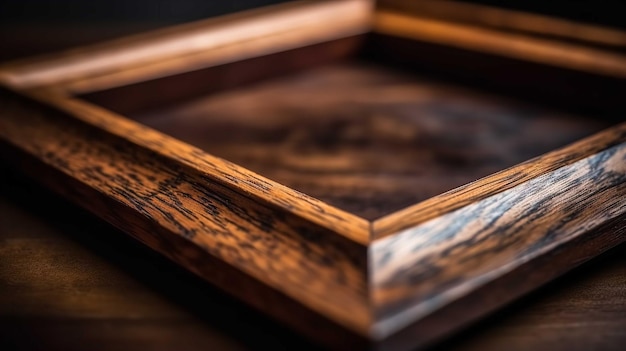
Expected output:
(333, 275)
(69, 281)
(319, 327)
(360, 136)
(420, 269)
(224, 236)
(219, 170)
(543, 328)
(499, 182)
(103, 289)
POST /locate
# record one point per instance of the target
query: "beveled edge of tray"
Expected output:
(397, 282)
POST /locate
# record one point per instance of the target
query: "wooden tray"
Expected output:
(373, 178)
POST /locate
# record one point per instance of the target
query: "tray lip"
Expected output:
(205, 43)
(366, 234)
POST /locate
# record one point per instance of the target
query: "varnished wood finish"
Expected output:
(69, 281)
(194, 218)
(544, 165)
(348, 282)
(193, 46)
(513, 45)
(419, 269)
(365, 138)
(515, 283)
(104, 289)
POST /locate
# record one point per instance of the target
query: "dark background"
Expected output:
(608, 12)
(120, 10)
(603, 12)
(29, 27)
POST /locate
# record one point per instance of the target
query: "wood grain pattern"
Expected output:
(181, 185)
(514, 284)
(365, 138)
(193, 219)
(192, 46)
(69, 281)
(544, 51)
(549, 317)
(499, 182)
(222, 171)
(330, 273)
(104, 289)
(416, 270)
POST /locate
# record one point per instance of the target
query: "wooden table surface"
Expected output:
(69, 281)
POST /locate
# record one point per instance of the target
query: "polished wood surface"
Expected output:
(332, 274)
(363, 137)
(256, 247)
(69, 281)
(557, 53)
(61, 289)
(457, 256)
(193, 45)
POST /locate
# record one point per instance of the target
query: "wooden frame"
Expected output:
(398, 282)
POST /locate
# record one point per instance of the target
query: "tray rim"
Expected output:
(365, 238)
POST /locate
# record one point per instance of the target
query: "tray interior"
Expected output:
(361, 135)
